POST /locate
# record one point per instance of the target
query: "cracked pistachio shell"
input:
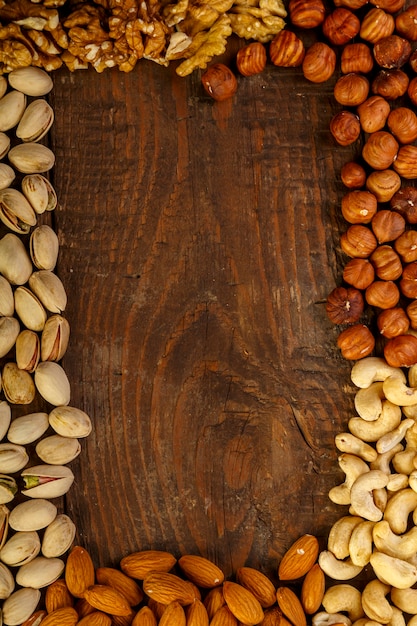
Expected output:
(7, 583)
(21, 548)
(20, 605)
(55, 338)
(48, 287)
(52, 383)
(15, 211)
(58, 536)
(28, 350)
(5, 419)
(9, 331)
(18, 385)
(32, 81)
(58, 450)
(6, 298)
(69, 421)
(12, 107)
(40, 572)
(7, 175)
(8, 488)
(31, 158)
(12, 458)
(35, 121)
(32, 515)
(4, 85)
(47, 481)
(4, 147)
(28, 428)
(44, 247)
(15, 263)
(40, 193)
(29, 308)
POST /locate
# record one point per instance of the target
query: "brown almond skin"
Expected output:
(139, 564)
(144, 617)
(291, 606)
(57, 596)
(79, 571)
(242, 603)
(97, 618)
(299, 558)
(66, 616)
(312, 590)
(120, 581)
(166, 588)
(259, 584)
(107, 599)
(201, 571)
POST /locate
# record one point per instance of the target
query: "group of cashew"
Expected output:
(379, 459)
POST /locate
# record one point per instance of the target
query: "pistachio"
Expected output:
(58, 536)
(40, 572)
(28, 428)
(70, 421)
(18, 385)
(55, 338)
(6, 298)
(47, 481)
(12, 106)
(35, 121)
(32, 515)
(5, 419)
(15, 263)
(12, 458)
(58, 450)
(6, 582)
(31, 158)
(4, 524)
(28, 350)
(4, 146)
(52, 383)
(15, 211)
(32, 81)
(8, 488)
(29, 308)
(44, 247)
(40, 193)
(49, 289)
(9, 331)
(4, 85)
(21, 548)
(20, 605)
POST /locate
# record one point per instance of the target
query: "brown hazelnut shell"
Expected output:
(345, 127)
(390, 84)
(356, 342)
(393, 322)
(386, 262)
(380, 150)
(402, 122)
(401, 351)
(387, 225)
(251, 59)
(340, 26)
(376, 25)
(351, 89)
(358, 206)
(373, 113)
(411, 312)
(408, 282)
(356, 57)
(405, 163)
(392, 52)
(406, 23)
(308, 14)
(286, 49)
(219, 82)
(383, 294)
(353, 175)
(391, 6)
(406, 246)
(358, 241)
(404, 201)
(383, 184)
(344, 305)
(359, 273)
(319, 62)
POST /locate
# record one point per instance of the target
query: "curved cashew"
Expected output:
(393, 571)
(383, 461)
(361, 497)
(372, 368)
(399, 508)
(401, 546)
(402, 461)
(411, 437)
(412, 480)
(368, 402)
(353, 467)
(389, 419)
(410, 411)
(343, 598)
(340, 534)
(330, 619)
(397, 618)
(360, 544)
(336, 569)
(398, 392)
(412, 621)
(374, 602)
(346, 442)
(389, 440)
(396, 482)
(405, 599)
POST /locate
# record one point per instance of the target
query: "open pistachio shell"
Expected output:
(12, 458)
(49, 289)
(7, 175)
(31, 158)
(70, 421)
(32, 81)
(55, 338)
(7, 583)
(4, 145)
(8, 488)
(47, 481)
(15, 211)
(40, 193)
(18, 385)
(32, 515)
(12, 106)
(35, 121)
(29, 308)
(40, 572)
(28, 350)
(21, 548)
(44, 247)
(58, 536)
(57, 450)
(52, 383)
(28, 428)
(20, 605)
(15, 263)
(9, 331)
(5, 419)
(6, 298)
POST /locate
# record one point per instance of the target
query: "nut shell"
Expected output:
(359, 273)
(345, 127)
(340, 26)
(219, 82)
(319, 62)
(356, 57)
(393, 322)
(392, 52)
(402, 122)
(405, 203)
(405, 163)
(383, 294)
(358, 241)
(286, 49)
(351, 89)
(401, 351)
(373, 113)
(251, 59)
(344, 305)
(356, 342)
(376, 25)
(306, 13)
(359, 207)
(390, 84)
(380, 150)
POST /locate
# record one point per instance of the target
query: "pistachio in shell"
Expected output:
(32, 515)
(40, 572)
(15, 211)
(29, 309)
(69, 421)
(48, 287)
(21, 548)
(28, 428)
(44, 247)
(12, 107)
(58, 536)
(20, 605)
(58, 450)
(15, 263)
(39, 192)
(52, 383)
(36, 121)
(9, 331)
(7, 175)
(6, 298)
(8, 488)
(32, 81)
(13, 458)
(31, 158)
(4, 146)
(5, 419)
(7, 583)
(4, 85)
(18, 385)
(47, 481)
(55, 338)
(28, 350)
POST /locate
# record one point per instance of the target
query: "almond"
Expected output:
(107, 599)
(196, 614)
(140, 564)
(166, 588)
(214, 600)
(157, 608)
(97, 618)
(35, 619)
(67, 616)
(291, 606)
(300, 557)
(83, 608)
(123, 620)
(201, 571)
(224, 617)
(173, 615)
(259, 584)
(312, 590)
(144, 617)
(242, 603)
(124, 584)
(57, 596)
(79, 571)
(273, 617)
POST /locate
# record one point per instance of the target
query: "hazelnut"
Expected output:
(219, 82)
(359, 273)
(390, 84)
(411, 312)
(356, 57)
(373, 114)
(383, 184)
(345, 127)
(380, 150)
(413, 61)
(344, 305)
(351, 89)
(387, 225)
(306, 13)
(359, 207)
(392, 6)
(353, 175)
(340, 26)
(408, 282)
(406, 162)
(350, 4)
(383, 294)
(406, 23)
(406, 246)
(387, 263)
(401, 351)
(358, 241)
(412, 90)
(319, 62)
(392, 52)
(356, 342)
(376, 25)
(286, 49)
(405, 203)
(402, 122)
(251, 59)
(393, 322)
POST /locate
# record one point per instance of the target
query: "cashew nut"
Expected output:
(330, 619)
(411, 437)
(398, 392)
(412, 480)
(399, 508)
(371, 369)
(361, 497)
(401, 546)
(412, 621)
(410, 411)
(360, 544)
(402, 461)
(346, 442)
(405, 599)
(396, 482)
(389, 419)
(382, 461)
(389, 440)
(343, 598)
(337, 569)
(353, 467)
(374, 602)
(393, 571)
(397, 618)
(368, 402)
(340, 534)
